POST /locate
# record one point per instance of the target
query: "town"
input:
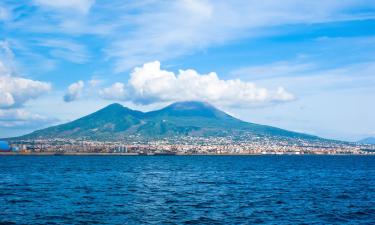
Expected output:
(185, 145)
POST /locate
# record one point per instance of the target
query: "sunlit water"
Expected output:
(187, 189)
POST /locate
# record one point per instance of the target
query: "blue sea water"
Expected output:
(187, 190)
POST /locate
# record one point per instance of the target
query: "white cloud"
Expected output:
(74, 91)
(14, 91)
(4, 14)
(82, 6)
(149, 84)
(66, 49)
(6, 99)
(6, 59)
(135, 32)
(94, 82)
(21, 118)
(165, 30)
(82, 88)
(3, 69)
(316, 80)
(277, 69)
(116, 91)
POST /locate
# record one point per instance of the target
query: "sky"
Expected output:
(306, 66)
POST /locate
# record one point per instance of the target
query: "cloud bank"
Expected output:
(15, 91)
(150, 84)
(135, 32)
(189, 26)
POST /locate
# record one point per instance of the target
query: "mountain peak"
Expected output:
(116, 122)
(112, 108)
(116, 109)
(114, 105)
(190, 109)
(190, 105)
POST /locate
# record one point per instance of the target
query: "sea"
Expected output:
(187, 189)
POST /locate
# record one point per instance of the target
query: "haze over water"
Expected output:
(187, 189)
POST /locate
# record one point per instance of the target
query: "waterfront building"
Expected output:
(4, 146)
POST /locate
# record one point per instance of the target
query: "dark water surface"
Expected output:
(187, 189)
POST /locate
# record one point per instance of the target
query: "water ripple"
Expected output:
(187, 190)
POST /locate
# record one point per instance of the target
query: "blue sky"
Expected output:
(306, 66)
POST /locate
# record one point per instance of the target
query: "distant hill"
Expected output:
(191, 118)
(369, 140)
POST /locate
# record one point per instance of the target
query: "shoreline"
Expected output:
(152, 154)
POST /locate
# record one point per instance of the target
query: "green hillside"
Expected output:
(179, 119)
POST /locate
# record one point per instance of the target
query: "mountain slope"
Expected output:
(111, 119)
(369, 140)
(193, 118)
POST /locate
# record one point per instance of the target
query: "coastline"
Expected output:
(151, 154)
